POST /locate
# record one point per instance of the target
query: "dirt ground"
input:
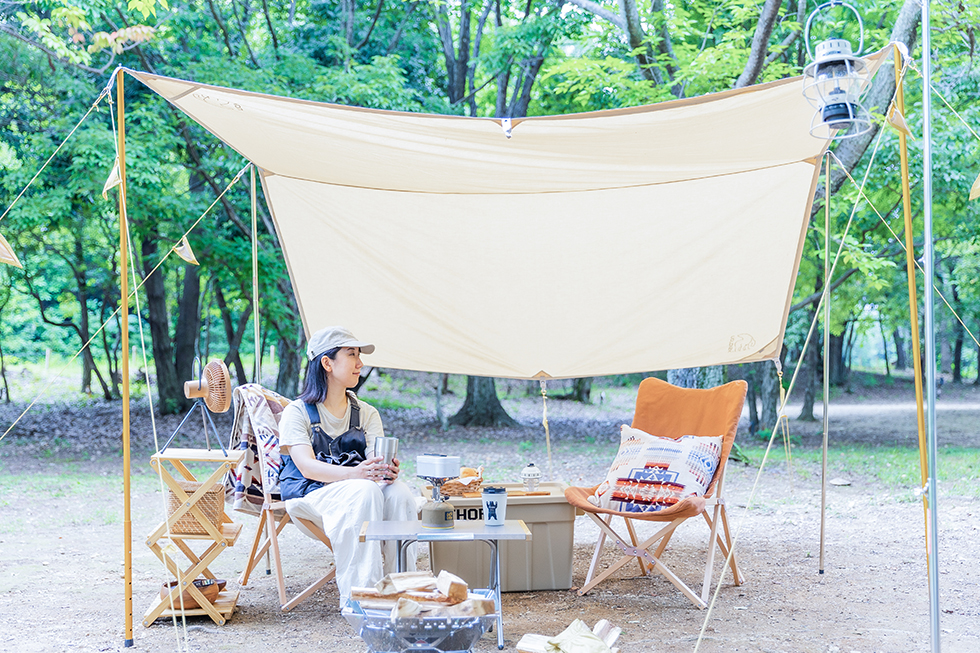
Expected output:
(61, 586)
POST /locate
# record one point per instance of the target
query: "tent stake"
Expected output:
(124, 369)
(826, 360)
(932, 524)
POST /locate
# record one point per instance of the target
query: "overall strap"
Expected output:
(355, 413)
(313, 413)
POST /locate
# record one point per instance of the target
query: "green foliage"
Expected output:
(399, 60)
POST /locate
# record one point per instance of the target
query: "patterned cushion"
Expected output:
(651, 473)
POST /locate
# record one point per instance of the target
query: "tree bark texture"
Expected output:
(582, 390)
(169, 384)
(188, 323)
(770, 395)
(697, 377)
(481, 407)
(291, 360)
(813, 371)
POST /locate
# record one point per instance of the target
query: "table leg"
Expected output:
(495, 586)
(402, 562)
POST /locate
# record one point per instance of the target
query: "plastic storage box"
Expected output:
(544, 563)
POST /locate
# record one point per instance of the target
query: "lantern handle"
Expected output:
(826, 5)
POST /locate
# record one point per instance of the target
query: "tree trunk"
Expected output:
(188, 324)
(234, 335)
(901, 357)
(3, 373)
(481, 407)
(837, 374)
(697, 377)
(770, 396)
(811, 372)
(291, 359)
(169, 384)
(958, 355)
(945, 351)
(582, 390)
(751, 398)
(686, 377)
(884, 346)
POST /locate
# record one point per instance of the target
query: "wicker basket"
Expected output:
(211, 504)
(454, 488)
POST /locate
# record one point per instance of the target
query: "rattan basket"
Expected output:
(211, 504)
(454, 488)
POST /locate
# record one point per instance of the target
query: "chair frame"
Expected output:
(641, 551)
(273, 518)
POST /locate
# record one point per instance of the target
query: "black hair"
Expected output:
(315, 385)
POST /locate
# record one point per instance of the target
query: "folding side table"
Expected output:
(221, 536)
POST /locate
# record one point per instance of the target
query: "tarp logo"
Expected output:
(217, 101)
(741, 342)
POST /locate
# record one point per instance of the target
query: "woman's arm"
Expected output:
(372, 469)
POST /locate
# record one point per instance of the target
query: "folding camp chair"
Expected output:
(668, 411)
(254, 485)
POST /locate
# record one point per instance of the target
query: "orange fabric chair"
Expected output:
(665, 410)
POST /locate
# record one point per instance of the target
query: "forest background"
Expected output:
(466, 57)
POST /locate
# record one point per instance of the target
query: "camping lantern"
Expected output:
(834, 82)
(530, 477)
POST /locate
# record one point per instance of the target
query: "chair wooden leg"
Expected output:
(273, 536)
(629, 527)
(253, 555)
(597, 551)
(635, 551)
(710, 564)
(737, 577)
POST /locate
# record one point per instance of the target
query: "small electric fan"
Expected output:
(212, 393)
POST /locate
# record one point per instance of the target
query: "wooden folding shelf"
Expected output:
(221, 537)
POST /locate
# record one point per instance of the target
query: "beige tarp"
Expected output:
(622, 241)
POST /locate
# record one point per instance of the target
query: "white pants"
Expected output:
(340, 509)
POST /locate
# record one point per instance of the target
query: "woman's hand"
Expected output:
(372, 469)
(393, 470)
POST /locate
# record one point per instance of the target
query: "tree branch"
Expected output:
(374, 21)
(601, 12)
(760, 43)
(6, 29)
(815, 297)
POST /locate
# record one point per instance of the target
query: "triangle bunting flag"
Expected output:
(897, 120)
(184, 251)
(7, 254)
(975, 189)
(114, 180)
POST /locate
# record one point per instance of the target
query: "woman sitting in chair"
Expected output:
(330, 475)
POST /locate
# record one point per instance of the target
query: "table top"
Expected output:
(234, 456)
(513, 529)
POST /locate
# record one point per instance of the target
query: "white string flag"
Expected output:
(7, 254)
(114, 180)
(184, 251)
(897, 120)
(975, 189)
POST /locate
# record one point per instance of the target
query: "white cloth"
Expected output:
(294, 424)
(340, 509)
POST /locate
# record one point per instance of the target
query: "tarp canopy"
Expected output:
(650, 238)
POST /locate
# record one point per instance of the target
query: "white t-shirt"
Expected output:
(295, 428)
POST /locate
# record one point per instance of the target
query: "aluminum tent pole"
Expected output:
(124, 367)
(826, 360)
(255, 285)
(932, 523)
